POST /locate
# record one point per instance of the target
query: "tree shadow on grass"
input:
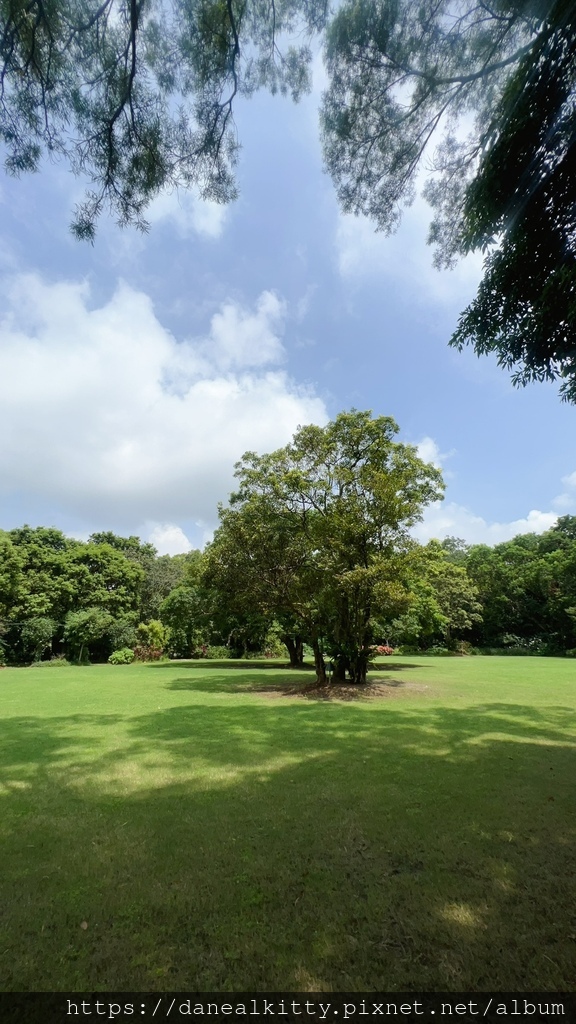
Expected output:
(242, 664)
(270, 665)
(291, 683)
(302, 846)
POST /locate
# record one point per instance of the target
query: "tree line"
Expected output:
(313, 559)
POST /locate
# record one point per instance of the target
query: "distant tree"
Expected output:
(455, 549)
(37, 635)
(83, 628)
(444, 602)
(122, 632)
(101, 575)
(46, 588)
(11, 576)
(181, 612)
(163, 575)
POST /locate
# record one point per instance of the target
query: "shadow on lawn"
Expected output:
(303, 846)
(246, 665)
(292, 682)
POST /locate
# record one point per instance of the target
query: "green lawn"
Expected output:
(192, 826)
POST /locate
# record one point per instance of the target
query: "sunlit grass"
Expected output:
(202, 827)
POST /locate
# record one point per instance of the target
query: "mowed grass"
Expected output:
(191, 826)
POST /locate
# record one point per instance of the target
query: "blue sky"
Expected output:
(134, 373)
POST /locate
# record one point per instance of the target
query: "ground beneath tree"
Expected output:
(374, 689)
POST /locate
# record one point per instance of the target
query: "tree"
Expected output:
(37, 636)
(138, 96)
(103, 576)
(318, 531)
(11, 576)
(83, 628)
(444, 601)
(181, 612)
(524, 194)
(401, 74)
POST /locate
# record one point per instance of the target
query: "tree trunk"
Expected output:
(295, 647)
(319, 664)
(341, 665)
(359, 670)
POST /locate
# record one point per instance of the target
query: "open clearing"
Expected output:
(201, 826)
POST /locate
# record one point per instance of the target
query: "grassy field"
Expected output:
(192, 826)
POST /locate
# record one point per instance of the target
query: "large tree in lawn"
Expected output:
(318, 532)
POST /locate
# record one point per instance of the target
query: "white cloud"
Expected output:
(450, 519)
(105, 414)
(566, 501)
(189, 214)
(429, 451)
(169, 539)
(240, 339)
(403, 259)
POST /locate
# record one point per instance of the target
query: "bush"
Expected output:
(153, 634)
(125, 656)
(54, 662)
(145, 653)
(382, 650)
(217, 653)
(465, 647)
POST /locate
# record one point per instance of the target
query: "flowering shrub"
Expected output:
(382, 649)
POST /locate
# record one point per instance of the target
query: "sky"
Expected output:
(135, 372)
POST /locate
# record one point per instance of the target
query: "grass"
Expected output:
(190, 826)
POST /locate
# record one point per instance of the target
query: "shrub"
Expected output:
(145, 653)
(216, 653)
(153, 634)
(465, 647)
(382, 650)
(54, 662)
(125, 656)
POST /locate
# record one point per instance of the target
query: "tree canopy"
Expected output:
(138, 96)
(317, 533)
(404, 75)
(279, 573)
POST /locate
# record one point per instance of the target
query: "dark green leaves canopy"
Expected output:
(401, 73)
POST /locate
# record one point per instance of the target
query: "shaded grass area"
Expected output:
(213, 839)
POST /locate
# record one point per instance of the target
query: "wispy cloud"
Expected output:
(188, 214)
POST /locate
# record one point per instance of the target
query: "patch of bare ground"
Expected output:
(375, 689)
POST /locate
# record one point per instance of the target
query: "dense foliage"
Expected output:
(515, 597)
(313, 560)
